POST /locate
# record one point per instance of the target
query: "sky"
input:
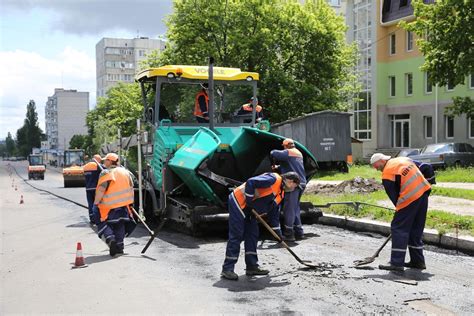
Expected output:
(48, 44)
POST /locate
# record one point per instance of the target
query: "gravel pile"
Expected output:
(356, 185)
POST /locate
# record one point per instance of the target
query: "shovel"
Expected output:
(262, 221)
(358, 263)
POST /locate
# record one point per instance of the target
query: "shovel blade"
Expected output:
(365, 261)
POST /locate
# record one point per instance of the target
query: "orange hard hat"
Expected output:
(288, 141)
(112, 157)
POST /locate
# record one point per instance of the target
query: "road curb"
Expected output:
(464, 244)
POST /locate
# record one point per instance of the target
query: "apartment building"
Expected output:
(118, 59)
(65, 116)
(399, 106)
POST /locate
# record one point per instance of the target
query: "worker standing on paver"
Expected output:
(408, 189)
(290, 159)
(92, 171)
(262, 193)
(201, 105)
(113, 198)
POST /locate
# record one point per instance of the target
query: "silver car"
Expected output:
(444, 155)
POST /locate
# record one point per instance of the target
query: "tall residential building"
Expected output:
(65, 116)
(399, 106)
(117, 59)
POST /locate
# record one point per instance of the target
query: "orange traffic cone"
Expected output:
(79, 263)
(21, 199)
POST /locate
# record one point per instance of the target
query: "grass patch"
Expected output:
(442, 221)
(454, 193)
(366, 171)
(455, 175)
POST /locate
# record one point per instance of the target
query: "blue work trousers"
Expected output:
(407, 230)
(115, 227)
(242, 227)
(292, 213)
(90, 201)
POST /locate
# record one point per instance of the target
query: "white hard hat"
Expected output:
(378, 156)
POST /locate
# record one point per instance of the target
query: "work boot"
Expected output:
(289, 238)
(229, 275)
(415, 265)
(391, 267)
(113, 249)
(299, 237)
(256, 271)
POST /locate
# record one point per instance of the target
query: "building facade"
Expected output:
(399, 107)
(65, 116)
(117, 60)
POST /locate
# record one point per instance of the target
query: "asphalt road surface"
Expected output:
(180, 274)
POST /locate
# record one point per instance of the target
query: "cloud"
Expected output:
(92, 16)
(29, 76)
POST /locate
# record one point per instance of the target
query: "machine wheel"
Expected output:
(66, 184)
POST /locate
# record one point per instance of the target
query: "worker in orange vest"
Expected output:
(112, 212)
(291, 159)
(201, 105)
(408, 190)
(264, 194)
(92, 171)
(247, 108)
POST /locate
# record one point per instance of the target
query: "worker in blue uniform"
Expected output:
(264, 194)
(290, 159)
(92, 171)
(408, 189)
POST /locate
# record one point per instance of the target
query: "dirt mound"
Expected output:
(356, 185)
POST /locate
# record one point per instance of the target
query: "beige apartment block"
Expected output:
(118, 59)
(65, 116)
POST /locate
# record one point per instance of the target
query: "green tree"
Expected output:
(10, 145)
(299, 50)
(446, 39)
(77, 141)
(30, 134)
(119, 109)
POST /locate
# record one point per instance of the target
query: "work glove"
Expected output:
(95, 215)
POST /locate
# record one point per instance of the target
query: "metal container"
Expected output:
(325, 134)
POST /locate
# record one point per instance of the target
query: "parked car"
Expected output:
(444, 155)
(408, 152)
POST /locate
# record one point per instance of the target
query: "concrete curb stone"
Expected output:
(464, 244)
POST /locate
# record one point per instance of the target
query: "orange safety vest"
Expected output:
(248, 107)
(293, 152)
(412, 184)
(275, 189)
(197, 108)
(119, 192)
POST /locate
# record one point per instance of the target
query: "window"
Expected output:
(392, 44)
(391, 83)
(470, 125)
(471, 81)
(409, 84)
(450, 86)
(428, 126)
(409, 36)
(141, 53)
(449, 126)
(403, 3)
(335, 3)
(428, 85)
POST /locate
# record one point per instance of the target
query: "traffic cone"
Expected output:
(79, 263)
(21, 199)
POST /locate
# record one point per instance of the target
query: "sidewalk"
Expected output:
(453, 185)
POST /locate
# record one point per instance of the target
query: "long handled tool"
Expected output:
(262, 221)
(371, 259)
(152, 233)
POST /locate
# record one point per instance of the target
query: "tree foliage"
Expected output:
(118, 110)
(298, 49)
(30, 134)
(446, 39)
(10, 145)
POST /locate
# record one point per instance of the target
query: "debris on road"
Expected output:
(356, 185)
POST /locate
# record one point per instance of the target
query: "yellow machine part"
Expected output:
(74, 177)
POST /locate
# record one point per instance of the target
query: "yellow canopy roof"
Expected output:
(197, 73)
